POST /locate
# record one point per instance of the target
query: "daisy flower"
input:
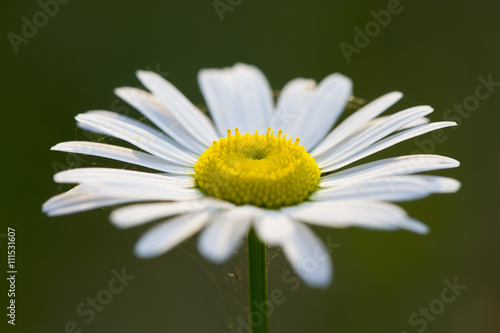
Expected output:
(245, 169)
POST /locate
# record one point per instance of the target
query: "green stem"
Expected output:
(257, 285)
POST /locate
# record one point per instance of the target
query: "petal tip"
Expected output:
(120, 91)
(320, 281)
(143, 251)
(415, 226)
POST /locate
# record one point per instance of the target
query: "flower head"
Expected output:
(259, 169)
(276, 173)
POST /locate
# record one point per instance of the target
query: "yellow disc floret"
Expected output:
(259, 169)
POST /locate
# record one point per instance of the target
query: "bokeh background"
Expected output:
(433, 51)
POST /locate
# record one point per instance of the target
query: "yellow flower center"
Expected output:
(260, 169)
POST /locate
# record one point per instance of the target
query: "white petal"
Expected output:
(396, 166)
(192, 119)
(395, 188)
(322, 110)
(306, 253)
(167, 235)
(85, 205)
(373, 134)
(126, 122)
(273, 227)
(383, 189)
(154, 110)
(377, 121)
(441, 184)
(134, 215)
(309, 257)
(143, 192)
(347, 213)
(121, 154)
(414, 226)
(219, 91)
(418, 122)
(335, 164)
(76, 200)
(291, 101)
(138, 134)
(224, 235)
(237, 97)
(77, 193)
(91, 128)
(83, 175)
(357, 120)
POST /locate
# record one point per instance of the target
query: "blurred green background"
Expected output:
(432, 51)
